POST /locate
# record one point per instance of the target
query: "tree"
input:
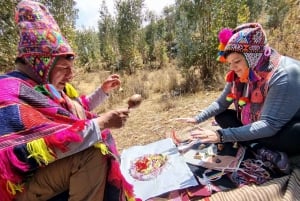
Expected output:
(88, 52)
(197, 25)
(107, 37)
(285, 38)
(129, 21)
(277, 13)
(8, 35)
(159, 37)
(255, 9)
(150, 36)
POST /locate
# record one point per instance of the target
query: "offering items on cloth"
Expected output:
(148, 166)
(206, 155)
(155, 169)
(217, 167)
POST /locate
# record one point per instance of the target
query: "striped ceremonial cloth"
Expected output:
(285, 188)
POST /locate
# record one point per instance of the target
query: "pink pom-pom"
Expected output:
(225, 34)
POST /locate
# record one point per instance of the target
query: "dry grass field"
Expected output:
(154, 118)
(150, 122)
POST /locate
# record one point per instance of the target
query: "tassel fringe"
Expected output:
(5, 195)
(60, 140)
(71, 91)
(103, 148)
(9, 179)
(39, 150)
(13, 188)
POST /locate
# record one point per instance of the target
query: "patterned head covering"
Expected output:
(250, 40)
(41, 40)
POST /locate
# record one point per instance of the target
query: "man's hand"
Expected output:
(111, 83)
(113, 119)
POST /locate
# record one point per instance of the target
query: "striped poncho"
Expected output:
(36, 122)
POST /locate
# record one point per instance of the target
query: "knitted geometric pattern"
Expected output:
(247, 38)
(35, 122)
(11, 122)
(250, 40)
(32, 126)
(40, 37)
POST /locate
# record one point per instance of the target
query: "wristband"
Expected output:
(221, 136)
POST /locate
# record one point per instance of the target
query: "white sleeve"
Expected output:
(91, 134)
(96, 98)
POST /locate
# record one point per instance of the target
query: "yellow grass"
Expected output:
(154, 118)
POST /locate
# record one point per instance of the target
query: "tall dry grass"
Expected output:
(164, 82)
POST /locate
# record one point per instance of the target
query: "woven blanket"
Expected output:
(285, 188)
(36, 121)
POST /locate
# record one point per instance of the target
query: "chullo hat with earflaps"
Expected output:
(41, 40)
(249, 40)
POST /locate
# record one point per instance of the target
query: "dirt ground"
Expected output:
(154, 118)
(151, 122)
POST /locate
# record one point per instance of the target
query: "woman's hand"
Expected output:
(187, 120)
(205, 135)
(111, 83)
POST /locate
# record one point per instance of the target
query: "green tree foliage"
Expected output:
(161, 52)
(285, 38)
(107, 37)
(276, 12)
(159, 37)
(151, 36)
(88, 52)
(129, 20)
(255, 9)
(168, 33)
(186, 31)
(198, 23)
(8, 35)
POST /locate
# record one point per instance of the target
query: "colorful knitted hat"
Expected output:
(248, 39)
(41, 40)
(224, 36)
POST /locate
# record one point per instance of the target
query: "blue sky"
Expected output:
(89, 10)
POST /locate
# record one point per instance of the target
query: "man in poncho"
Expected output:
(50, 142)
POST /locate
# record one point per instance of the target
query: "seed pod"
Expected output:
(134, 101)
